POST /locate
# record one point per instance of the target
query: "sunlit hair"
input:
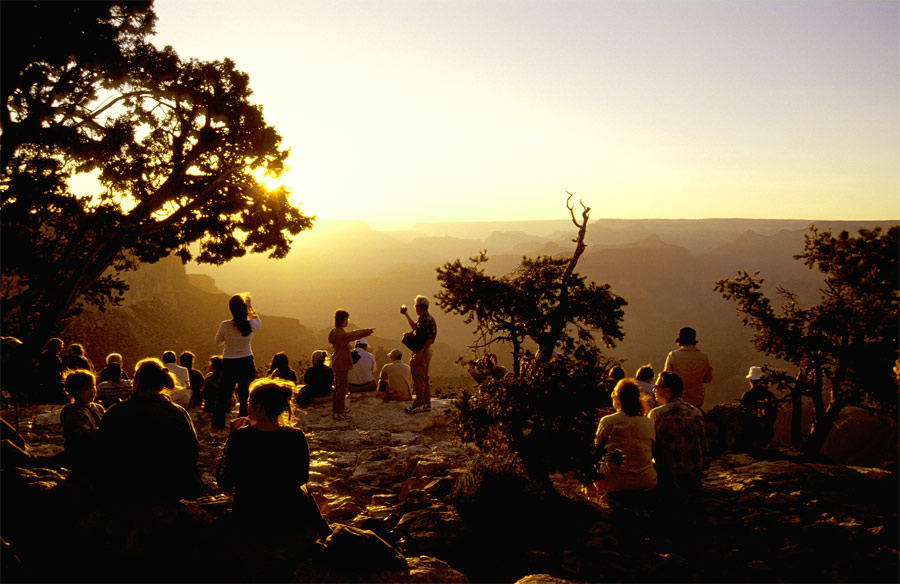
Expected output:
(279, 361)
(169, 357)
(215, 364)
(186, 359)
(239, 313)
(422, 301)
(644, 373)
(671, 381)
(77, 380)
(76, 349)
(273, 396)
(113, 358)
(318, 357)
(616, 373)
(55, 343)
(340, 315)
(627, 397)
(151, 376)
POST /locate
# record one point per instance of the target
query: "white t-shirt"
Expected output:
(236, 344)
(363, 371)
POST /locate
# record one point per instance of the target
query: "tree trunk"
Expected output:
(796, 417)
(822, 427)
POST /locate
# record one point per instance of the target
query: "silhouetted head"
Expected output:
(644, 373)
(616, 373)
(81, 385)
(668, 384)
(55, 344)
(279, 361)
(151, 376)
(113, 358)
(318, 357)
(627, 397)
(186, 359)
(76, 349)
(215, 364)
(169, 357)
(395, 355)
(687, 337)
(271, 397)
(341, 318)
(114, 372)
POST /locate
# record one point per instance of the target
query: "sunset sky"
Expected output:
(401, 111)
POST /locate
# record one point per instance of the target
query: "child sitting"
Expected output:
(81, 418)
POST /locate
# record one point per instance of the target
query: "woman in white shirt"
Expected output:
(628, 438)
(237, 361)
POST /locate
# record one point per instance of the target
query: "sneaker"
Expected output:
(340, 417)
(417, 409)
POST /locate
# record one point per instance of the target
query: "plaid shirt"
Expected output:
(680, 443)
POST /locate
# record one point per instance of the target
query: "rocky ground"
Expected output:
(771, 516)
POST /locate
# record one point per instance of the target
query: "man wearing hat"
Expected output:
(396, 378)
(362, 374)
(761, 409)
(692, 366)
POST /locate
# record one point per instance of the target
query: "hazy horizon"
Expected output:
(400, 111)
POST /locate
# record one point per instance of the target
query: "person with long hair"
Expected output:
(341, 362)
(266, 461)
(280, 368)
(628, 438)
(148, 444)
(237, 361)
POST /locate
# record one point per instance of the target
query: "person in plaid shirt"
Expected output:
(680, 436)
(425, 331)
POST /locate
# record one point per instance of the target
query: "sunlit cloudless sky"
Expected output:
(401, 111)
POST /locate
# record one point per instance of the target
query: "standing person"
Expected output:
(396, 378)
(628, 438)
(421, 337)
(692, 366)
(50, 367)
(362, 374)
(237, 361)
(680, 437)
(341, 361)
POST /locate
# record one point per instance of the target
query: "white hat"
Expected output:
(755, 374)
(362, 343)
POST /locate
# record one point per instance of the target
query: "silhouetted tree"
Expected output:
(543, 300)
(176, 146)
(545, 412)
(846, 344)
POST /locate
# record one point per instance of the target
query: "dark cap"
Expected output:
(687, 336)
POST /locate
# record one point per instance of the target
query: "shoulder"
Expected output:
(255, 323)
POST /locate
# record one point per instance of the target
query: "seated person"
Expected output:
(148, 444)
(362, 374)
(186, 360)
(628, 439)
(644, 379)
(318, 382)
(266, 461)
(211, 384)
(115, 388)
(80, 419)
(762, 409)
(681, 444)
(488, 368)
(280, 368)
(112, 359)
(396, 378)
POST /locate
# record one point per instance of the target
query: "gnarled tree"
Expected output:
(175, 147)
(844, 346)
